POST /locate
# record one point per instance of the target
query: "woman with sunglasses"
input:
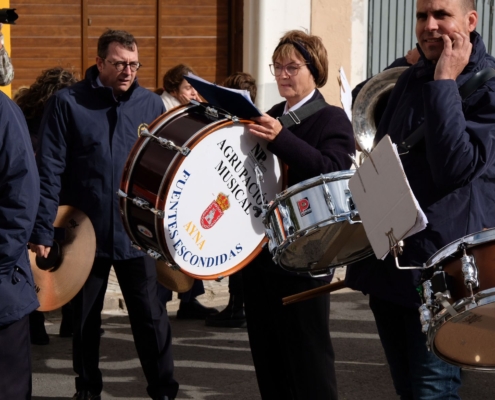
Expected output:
(290, 345)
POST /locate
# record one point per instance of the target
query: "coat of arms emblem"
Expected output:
(214, 211)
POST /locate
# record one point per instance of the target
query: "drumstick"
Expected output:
(309, 294)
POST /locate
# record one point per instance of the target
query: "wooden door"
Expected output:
(46, 35)
(206, 34)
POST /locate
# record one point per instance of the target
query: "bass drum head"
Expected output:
(467, 340)
(210, 227)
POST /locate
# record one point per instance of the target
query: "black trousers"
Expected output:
(149, 323)
(15, 361)
(291, 346)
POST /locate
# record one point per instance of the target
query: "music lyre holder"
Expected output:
(396, 249)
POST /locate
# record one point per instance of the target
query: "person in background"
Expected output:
(31, 100)
(233, 315)
(19, 199)
(86, 134)
(291, 345)
(176, 90)
(6, 68)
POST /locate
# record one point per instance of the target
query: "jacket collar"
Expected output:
(91, 75)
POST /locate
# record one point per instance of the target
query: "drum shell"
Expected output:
(331, 211)
(148, 172)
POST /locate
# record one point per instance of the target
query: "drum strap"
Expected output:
(466, 90)
(295, 117)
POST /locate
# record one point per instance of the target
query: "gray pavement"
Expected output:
(215, 363)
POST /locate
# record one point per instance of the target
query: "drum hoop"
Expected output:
(174, 167)
(487, 297)
(471, 240)
(134, 154)
(308, 184)
(312, 182)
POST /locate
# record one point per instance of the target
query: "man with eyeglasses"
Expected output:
(86, 135)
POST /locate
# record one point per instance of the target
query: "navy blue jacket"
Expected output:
(85, 137)
(19, 198)
(451, 171)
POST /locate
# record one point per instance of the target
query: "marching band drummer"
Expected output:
(451, 171)
(291, 347)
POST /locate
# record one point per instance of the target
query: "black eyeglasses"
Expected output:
(290, 69)
(121, 65)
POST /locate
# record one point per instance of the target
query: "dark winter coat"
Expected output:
(84, 140)
(19, 198)
(451, 171)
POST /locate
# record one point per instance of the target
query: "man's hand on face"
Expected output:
(455, 56)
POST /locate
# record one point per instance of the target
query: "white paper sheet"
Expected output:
(345, 94)
(384, 199)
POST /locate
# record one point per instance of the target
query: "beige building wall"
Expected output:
(332, 21)
(343, 26)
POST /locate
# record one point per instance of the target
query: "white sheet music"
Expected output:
(384, 199)
(345, 94)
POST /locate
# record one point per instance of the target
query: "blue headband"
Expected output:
(307, 57)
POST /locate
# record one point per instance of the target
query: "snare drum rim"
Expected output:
(440, 319)
(471, 240)
(309, 183)
(173, 169)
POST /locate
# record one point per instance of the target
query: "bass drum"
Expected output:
(189, 191)
(458, 314)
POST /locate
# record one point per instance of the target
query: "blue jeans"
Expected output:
(417, 373)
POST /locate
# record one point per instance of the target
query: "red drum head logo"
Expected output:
(304, 206)
(214, 211)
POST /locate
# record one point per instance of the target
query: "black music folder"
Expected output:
(236, 102)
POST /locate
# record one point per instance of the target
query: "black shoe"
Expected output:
(194, 310)
(86, 395)
(37, 329)
(231, 317)
(65, 327)
(163, 398)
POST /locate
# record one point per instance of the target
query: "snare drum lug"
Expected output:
(470, 271)
(219, 279)
(328, 198)
(425, 317)
(427, 293)
(154, 254)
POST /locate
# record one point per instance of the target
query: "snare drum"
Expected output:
(458, 315)
(189, 188)
(314, 226)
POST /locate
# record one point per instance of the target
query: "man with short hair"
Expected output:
(86, 135)
(452, 174)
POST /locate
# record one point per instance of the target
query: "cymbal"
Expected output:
(173, 279)
(70, 261)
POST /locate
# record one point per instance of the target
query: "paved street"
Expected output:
(215, 363)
